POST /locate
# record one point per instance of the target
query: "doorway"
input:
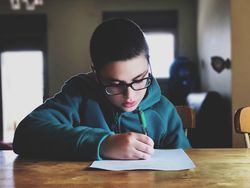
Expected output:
(22, 87)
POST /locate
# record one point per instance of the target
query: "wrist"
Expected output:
(99, 147)
(104, 146)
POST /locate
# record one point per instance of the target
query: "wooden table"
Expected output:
(214, 168)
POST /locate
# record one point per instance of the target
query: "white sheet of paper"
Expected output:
(162, 159)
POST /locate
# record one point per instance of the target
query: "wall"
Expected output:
(214, 39)
(240, 10)
(71, 23)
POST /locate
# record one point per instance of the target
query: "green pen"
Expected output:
(143, 122)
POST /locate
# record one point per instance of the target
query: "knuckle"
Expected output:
(147, 139)
(149, 150)
(144, 156)
(128, 142)
(130, 134)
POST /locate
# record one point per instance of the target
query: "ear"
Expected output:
(93, 68)
(95, 74)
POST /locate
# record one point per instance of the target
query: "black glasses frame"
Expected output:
(150, 77)
(124, 86)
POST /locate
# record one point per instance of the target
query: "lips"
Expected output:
(129, 104)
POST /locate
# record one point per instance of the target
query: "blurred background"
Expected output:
(42, 46)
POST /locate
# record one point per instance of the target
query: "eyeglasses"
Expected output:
(116, 89)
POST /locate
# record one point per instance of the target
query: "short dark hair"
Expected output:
(116, 39)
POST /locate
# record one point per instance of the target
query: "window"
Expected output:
(22, 87)
(161, 49)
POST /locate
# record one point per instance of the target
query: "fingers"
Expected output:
(127, 146)
(144, 139)
(141, 155)
(144, 146)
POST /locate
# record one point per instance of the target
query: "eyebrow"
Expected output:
(116, 80)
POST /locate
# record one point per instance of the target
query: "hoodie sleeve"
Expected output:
(174, 136)
(53, 130)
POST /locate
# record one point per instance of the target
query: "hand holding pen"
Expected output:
(128, 145)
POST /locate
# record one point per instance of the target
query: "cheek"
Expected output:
(141, 94)
(115, 99)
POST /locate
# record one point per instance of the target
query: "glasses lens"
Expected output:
(136, 85)
(114, 90)
(141, 84)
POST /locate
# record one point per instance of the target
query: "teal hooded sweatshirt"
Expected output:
(74, 123)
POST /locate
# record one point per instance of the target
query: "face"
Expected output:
(126, 72)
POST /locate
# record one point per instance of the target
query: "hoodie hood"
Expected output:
(93, 90)
(152, 96)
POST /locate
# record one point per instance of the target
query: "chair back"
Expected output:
(188, 117)
(242, 123)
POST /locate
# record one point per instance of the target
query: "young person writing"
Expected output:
(116, 111)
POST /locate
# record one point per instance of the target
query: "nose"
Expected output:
(129, 93)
